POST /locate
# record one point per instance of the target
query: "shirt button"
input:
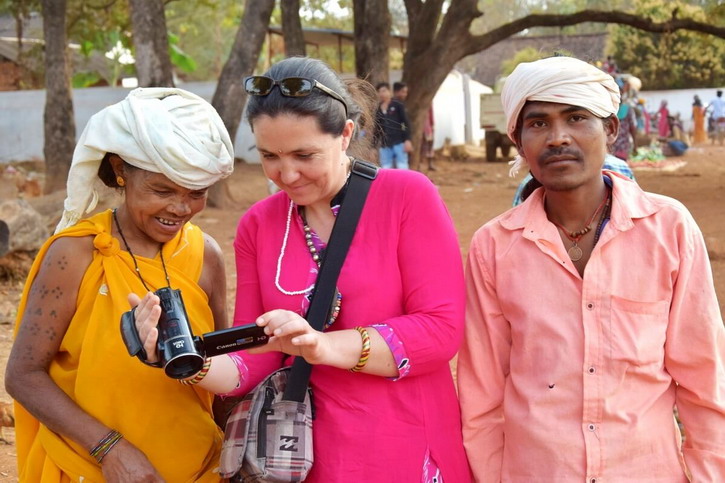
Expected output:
(591, 427)
(590, 306)
(591, 370)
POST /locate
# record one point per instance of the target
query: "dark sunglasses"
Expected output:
(260, 85)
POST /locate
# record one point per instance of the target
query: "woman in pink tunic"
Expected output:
(396, 417)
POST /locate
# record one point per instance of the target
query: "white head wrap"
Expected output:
(158, 129)
(563, 80)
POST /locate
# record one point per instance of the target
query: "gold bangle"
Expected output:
(199, 375)
(365, 353)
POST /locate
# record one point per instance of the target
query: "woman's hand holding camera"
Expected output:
(292, 334)
(146, 314)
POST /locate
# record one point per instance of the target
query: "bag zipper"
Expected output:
(262, 422)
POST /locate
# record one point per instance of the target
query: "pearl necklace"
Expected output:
(281, 255)
(315, 256)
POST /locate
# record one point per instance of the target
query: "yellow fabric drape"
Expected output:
(171, 423)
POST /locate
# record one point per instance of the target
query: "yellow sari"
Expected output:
(171, 423)
(700, 134)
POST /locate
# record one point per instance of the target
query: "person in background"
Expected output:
(699, 135)
(85, 410)
(382, 389)
(591, 310)
(400, 91)
(663, 121)
(426, 146)
(393, 130)
(627, 134)
(716, 107)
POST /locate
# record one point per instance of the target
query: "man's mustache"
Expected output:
(559, 151)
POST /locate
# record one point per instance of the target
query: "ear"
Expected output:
(611, 128)
(347, 133)
(117, 165)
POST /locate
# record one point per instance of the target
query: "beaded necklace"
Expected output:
(575, 252)
(135, 263)
(315, 257)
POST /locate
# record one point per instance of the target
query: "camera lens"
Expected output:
(183, 366)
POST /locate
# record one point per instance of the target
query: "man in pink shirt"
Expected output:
(591, 311)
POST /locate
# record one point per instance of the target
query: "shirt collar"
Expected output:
(629, 202)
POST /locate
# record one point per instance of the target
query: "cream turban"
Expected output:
(563, 80)
(158, 129)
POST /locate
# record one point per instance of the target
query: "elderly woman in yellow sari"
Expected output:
(85, 410)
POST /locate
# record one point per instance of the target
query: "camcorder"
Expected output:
(181, 353)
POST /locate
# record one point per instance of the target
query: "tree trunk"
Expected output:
(372, 31)
(58, 121)
(294, 39)
(153, 65)
(229, 97)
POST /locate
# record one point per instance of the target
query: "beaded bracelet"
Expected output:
(105, 445)
(365, 353)
(199, 375)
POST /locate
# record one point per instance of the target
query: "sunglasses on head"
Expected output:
(260, 85)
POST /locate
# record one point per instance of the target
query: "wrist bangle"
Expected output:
(105, 445)
(199, 375)
(365, 352)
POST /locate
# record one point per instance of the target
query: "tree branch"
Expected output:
(480, 42)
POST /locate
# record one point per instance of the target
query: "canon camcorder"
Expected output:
(181, 353)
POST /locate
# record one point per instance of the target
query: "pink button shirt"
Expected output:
(568, 379)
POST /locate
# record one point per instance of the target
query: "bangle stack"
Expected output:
(105, 445)
(365, 353)
(199, 375)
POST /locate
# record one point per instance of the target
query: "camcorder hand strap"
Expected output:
(343, 231)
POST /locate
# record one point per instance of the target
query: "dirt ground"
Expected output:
(474, 191)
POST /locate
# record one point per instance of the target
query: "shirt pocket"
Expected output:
(638, 331)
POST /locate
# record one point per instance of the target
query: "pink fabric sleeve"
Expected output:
(695, 357)
(483, 364)
(248, 303)
(402, 362)
(431, 273)
(243, 375)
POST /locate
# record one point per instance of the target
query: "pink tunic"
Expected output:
(403, 270)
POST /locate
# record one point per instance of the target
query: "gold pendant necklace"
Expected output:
(575, 252)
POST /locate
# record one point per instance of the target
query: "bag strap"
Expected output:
(343, 231)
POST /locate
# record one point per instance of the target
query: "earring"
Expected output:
(120, 181)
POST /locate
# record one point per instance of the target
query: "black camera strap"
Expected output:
(362, 176)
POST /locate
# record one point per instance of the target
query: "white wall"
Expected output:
(21, 114)
(452, 107)
(21, 119)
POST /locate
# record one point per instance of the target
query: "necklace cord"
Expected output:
(135, 263)
(575, 236)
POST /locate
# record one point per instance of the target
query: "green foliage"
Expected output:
(85, 79)
(677, 60)
(180, 59)
(205, 31)
(529, 54)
